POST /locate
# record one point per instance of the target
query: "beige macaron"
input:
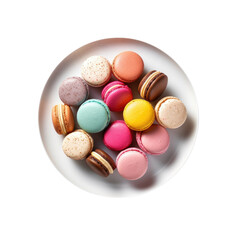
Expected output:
(170, 112)
(96, 71)
(77, 145)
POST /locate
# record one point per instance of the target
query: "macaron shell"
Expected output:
(55, 120)
(155, 140)
(171, 112)
(89, 137)
(138, 114)
(117, 136)
(93, 116)
(96, 71)
(77, 145)
(132, 163)
(127, 66)
(117, 98)
(73, 91)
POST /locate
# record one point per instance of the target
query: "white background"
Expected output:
(201, 201)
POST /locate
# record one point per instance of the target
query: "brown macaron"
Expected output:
(62, 118)
(101, 163)
(152, 85)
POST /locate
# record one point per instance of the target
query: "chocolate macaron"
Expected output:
(152, 85)
(101, 163)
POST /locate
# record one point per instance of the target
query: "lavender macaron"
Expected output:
(73, 91)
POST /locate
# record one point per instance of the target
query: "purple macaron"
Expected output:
(73, 91)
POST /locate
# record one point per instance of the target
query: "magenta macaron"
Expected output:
(117, 136)
(132, 163)
(155, 140)
(116, 95)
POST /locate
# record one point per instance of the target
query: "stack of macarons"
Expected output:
(94, 115)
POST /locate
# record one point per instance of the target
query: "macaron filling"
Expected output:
(110, 89)
(60, 117)
(104, 162)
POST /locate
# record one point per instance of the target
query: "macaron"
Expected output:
(132, 163)
(77, 145)
(117, 136)
(96, 71)
(155, 140)
(116, 95)
(127, 66)
(138, 114)
(73, 91)
(93, 116)
(152, 85)
(170, 112)
(62, 119)
(101, 163)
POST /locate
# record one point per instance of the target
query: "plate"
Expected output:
(162, 167)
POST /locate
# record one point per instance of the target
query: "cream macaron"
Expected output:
(96, 71)
(170, 112)
(77, 145)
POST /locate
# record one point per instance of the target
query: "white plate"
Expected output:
(162, 167)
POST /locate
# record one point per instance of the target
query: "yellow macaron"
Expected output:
(138, 114)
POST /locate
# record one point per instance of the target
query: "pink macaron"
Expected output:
(116, 95)
(132, 163)
(117, 136)
(155, 140)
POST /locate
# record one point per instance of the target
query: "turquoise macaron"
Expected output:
(93, 116)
